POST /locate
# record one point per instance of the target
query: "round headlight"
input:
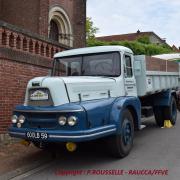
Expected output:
(21, 119)
(14, 119)
(72, 121)
(62, 120)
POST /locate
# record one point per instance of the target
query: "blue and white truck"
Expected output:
(97, 92)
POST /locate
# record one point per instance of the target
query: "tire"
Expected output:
(170, 112)
(120, 145)
(158, 113)
(163, 113)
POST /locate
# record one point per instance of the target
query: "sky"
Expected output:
(127, 16)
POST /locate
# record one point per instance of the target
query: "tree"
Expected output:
(91, 30)
(137, 47)
(140, 46)
(144, 40)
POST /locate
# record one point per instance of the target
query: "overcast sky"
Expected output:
(127, 16)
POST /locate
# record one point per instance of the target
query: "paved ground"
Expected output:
(15, 155)
(154, 148)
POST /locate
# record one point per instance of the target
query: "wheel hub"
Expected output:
(127, 132)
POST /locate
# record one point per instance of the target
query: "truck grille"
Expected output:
(44, 125)
(42, 120)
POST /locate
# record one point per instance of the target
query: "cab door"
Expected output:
(129, 78)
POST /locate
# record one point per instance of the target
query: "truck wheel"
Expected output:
(121, 144)
(170, 112)
(166, 113)
(158, 113)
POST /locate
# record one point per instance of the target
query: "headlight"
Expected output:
(14, 119)
(62, 120)
(72, 121)
(21, 119)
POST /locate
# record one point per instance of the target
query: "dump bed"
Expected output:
(155, 75)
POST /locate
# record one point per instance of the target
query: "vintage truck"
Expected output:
(97, 92)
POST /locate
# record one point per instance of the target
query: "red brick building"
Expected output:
(30, 33)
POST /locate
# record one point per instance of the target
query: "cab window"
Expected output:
(128, 66)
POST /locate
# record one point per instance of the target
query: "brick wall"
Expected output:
(33, 16)
(22, 40)
(67, 5)
(79, 23)
(13, 80)
(156, 64)
(76, 10)
(43, 17)
(21, 13)
(0, 9)
(23, 55)
(25, 50)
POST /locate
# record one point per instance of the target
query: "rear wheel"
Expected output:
(121, 144)
(158, 113)
(170, 112)
(163, 113)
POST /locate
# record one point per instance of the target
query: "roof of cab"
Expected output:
(91, 50)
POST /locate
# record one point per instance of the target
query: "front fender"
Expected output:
(121, 103)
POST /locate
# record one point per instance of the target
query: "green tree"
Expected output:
(144, 39)
(91, 30)
(137, 47)
(141, 46)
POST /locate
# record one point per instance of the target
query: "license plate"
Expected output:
(37, 135)
(39, 95)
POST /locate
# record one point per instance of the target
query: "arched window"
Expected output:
(60, 28)
(54, 31)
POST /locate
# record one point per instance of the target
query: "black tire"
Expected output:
(170, 112)
(163, 113)
(120, 145)
(158, 114)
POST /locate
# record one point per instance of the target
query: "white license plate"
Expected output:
(39, 95)
(37, 135)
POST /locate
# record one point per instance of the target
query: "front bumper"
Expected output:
(65, 136)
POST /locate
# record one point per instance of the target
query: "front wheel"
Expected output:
(121, 144)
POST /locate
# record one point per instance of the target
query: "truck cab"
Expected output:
(91, 93)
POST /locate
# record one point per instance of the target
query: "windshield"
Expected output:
(106, 64)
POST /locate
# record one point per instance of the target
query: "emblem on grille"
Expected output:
(39, 95)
